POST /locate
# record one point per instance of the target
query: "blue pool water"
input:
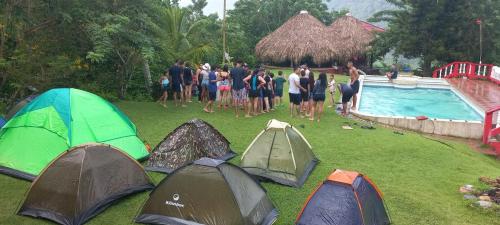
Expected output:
(433, 103)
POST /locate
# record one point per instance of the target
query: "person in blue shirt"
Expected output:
(164, 84)
(255, 82)
(212, 90)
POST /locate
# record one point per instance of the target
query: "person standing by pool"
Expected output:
(393, 74)
(212, 90)
(188, 82)
(176, 80)
(278, 88)
(237, 74)
(353, 72)
(347, 93)
(164, 83)
(318, 96)
(294, 92)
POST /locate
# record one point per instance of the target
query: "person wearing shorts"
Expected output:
(176, 80)
(236, 75)
(188, 82)
(347, 93)
(224, 87)
(294, 92)
(278, 88)
(255, 82)
(353, 72)
(318, 96)
(204, 75)
(304, 83)
(212, 91)
(165, 84)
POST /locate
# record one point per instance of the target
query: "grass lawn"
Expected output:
(419, 177)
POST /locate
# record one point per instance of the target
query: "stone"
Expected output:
(470, 197)
(485, 198)
(484, 204)
(466, 188)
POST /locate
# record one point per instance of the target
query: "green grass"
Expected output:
(419, 177)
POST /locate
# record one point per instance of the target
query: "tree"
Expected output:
(440, 31)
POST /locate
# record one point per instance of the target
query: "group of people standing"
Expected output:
(307, 95)
(252, 91)
(257, 91)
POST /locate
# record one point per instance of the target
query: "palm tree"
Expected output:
(181, 41)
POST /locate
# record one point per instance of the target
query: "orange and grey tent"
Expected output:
(345, 198)
(82, 182)
(280, 153)
(189, 142)
(209, 192)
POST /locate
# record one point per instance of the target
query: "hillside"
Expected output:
(362, 9)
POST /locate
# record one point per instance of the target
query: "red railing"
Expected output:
(491, 132)
(467, 69)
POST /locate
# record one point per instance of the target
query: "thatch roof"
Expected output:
(301, 36)
(352, 37)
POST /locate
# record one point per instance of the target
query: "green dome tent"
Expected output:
(58, 120)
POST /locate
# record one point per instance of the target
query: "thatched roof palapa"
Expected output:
(301, 36)
(352, 37)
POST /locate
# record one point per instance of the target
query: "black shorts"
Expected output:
(347, 92)
(212, 96)
(319, 97)
(355, 86)
(188, 83)
(267, 93)
(176, 87)
(295, 98)
(304, 96)
(253, 93)
(278, 93)
(164, 88)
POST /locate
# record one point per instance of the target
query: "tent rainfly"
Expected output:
(345, 198)
(82, 182)
(280, 153)
(301, 36)
(187, 143)
(210, 192)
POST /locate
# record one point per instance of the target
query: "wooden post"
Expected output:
(224, 34)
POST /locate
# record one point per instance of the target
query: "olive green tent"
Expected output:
(83, 182)
(280, 153)
(209, 192)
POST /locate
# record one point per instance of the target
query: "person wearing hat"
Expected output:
(204, 75)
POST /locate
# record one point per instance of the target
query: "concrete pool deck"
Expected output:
(479, 97)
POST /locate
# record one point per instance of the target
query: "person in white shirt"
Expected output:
(294, 91)
(331, 89)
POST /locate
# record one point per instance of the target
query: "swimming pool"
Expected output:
(413, 102)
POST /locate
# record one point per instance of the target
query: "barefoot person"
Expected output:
(331, 89)
(212, 90)
(224, 87)
(176, 80)
(188, 82)
(353, 72)
(304, 94)
(294, 92)
(237, 74)
(393, 74)
(346, 91)
(278, 88)
(164, 83)
(205, 71)
(318, 96)
(255, 82)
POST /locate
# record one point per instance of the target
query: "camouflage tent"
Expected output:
(189, 142)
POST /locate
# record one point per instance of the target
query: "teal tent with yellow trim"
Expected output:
(58, 120)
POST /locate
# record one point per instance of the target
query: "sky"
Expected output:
(213, 6)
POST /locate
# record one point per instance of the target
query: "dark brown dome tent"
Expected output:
(82, 182)
(210, 192)
(189, 142)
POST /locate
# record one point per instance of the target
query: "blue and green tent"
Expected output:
(58, 120)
